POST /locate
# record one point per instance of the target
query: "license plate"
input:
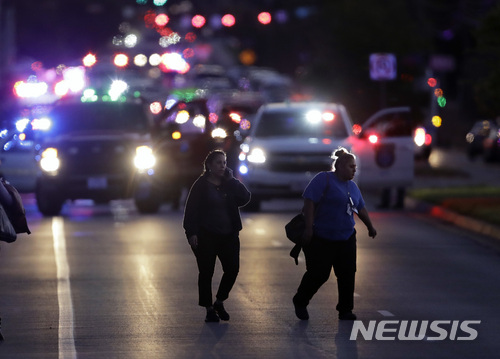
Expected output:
(97, 182)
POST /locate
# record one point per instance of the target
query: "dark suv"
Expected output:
(97, 150)
(186, 131)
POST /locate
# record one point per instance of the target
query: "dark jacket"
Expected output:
(197, 204)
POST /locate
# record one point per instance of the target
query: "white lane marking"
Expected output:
(66, 328)
(385, 313)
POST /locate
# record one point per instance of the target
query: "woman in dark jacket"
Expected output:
(6, 201)
(212, 223)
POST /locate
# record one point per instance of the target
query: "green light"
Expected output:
(441, 101)
(187, 95)
(89, 95)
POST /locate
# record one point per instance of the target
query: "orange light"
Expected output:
(121, 60)
(235, 117)
(247, 57)
(89, 60)
(373, 139)
(176, 135)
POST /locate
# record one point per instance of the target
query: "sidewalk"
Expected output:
(454, 169)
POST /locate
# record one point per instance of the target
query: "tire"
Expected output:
(147, 206)
(48, 204)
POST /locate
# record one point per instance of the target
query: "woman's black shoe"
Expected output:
(211, 316)
(300, 311)
(221, 312)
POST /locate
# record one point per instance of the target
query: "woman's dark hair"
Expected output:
(340, 155)
(210, 157)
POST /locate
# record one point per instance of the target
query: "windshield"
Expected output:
(70, 118)
(301, 123)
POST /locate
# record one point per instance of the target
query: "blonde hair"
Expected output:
(340, 155)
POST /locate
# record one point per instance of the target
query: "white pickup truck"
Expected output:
(289, 143)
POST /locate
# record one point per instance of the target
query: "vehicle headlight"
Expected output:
(144, 158)
(419, 138)
(256, 155)
(219, 133)
(49, 161)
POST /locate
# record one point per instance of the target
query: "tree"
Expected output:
(486, 85)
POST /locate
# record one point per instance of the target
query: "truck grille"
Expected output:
(97, 158)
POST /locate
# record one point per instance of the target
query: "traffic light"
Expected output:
(432, 82)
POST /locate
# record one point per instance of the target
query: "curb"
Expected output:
(459, 220)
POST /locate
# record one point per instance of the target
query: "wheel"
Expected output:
(147, 206)
(147, 197)
(48, 203)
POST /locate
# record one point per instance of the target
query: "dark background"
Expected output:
(323, 45)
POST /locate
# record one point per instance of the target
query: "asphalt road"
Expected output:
(105, 282)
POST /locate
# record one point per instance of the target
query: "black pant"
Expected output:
(211, 246)
(321, 255)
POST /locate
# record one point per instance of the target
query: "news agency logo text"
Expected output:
(415, 330)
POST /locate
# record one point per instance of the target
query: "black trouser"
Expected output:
(211, 246)
(321, 255)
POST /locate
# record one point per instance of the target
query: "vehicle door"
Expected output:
(17, 162)
(385, 149)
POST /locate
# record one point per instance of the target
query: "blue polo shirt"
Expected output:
(334, 217)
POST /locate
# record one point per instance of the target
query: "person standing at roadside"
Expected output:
(330, 238)
(212, 224)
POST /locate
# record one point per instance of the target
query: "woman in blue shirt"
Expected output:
(330, 201)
